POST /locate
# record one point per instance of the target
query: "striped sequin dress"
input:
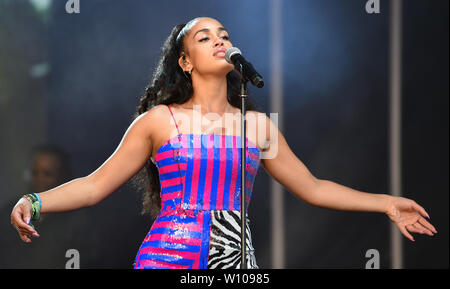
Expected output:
(199, 223)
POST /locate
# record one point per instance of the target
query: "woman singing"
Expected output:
(186, 140)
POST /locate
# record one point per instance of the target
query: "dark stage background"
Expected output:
(75, 80)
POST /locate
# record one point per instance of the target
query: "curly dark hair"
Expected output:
(169, 84)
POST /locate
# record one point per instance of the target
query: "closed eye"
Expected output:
(206, 38)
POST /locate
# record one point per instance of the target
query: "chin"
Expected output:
(228, 68)
(223, 69)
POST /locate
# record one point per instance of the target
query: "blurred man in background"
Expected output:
(49, 168)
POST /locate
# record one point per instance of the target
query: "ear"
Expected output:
(184, 63)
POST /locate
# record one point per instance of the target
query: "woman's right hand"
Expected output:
(20, 217)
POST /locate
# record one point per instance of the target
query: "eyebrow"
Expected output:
(207, 29)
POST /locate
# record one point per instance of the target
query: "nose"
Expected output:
(218, 42)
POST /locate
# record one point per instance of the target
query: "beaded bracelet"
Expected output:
(36, 205)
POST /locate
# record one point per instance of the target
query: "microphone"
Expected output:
(233, 56)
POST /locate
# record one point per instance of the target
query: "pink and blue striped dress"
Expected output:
(198, 226)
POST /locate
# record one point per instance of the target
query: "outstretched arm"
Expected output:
(129, 157)
(290, 172)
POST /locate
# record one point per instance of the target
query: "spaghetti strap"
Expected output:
(174, 120)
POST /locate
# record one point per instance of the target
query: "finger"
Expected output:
(26, 216)
(27, 233)
(19, 221)
(411, 228)
(417, 228)
(27, 228)
(24, 232)
(405, 232)
(422, 229)
(421, 210)
(24, 238)
(427, 225)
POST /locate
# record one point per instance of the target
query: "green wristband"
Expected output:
(35, 205)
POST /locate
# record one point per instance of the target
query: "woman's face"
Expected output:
(205, 47)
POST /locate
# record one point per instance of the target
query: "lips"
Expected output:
(220, 52)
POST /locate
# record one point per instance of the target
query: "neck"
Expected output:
(210, 93)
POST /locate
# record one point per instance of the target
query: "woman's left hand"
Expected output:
(409, 217)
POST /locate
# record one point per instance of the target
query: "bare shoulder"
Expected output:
(158, 124)
(157, 112)
(155, 117)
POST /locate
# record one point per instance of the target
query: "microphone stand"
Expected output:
(243, 94)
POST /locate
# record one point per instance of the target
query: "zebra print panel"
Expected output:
(225, 241)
